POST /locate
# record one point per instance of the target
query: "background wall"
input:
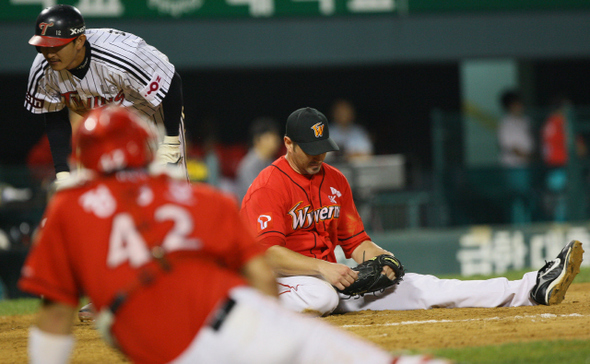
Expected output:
(396, 61)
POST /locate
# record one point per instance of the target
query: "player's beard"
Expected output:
(314, 167)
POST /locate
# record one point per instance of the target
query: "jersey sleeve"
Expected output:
(47, 270)
(262, 210)
(153, 74)
(42, 96)
(351, 230)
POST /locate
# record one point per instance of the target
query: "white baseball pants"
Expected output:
(416, 291)
(258, 330)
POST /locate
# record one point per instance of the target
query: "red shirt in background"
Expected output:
(554, 140)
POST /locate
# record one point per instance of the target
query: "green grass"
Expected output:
(20, 306)
(549, 352)
(25, 306)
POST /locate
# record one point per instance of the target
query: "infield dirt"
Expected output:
(392, 330)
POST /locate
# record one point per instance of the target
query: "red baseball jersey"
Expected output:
(97, 240)
(311, 214)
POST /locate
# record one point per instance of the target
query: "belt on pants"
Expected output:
(221, 314)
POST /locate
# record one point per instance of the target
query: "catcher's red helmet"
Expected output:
(112, 138)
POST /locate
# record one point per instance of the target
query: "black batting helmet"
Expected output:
(57, 25)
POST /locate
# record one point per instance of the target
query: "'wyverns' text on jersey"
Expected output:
(303, 217)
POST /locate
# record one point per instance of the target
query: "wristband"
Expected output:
(47, 348)
(171, 140)
(62, 175)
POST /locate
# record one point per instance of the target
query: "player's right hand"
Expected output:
(168, 151)
(61, 178)
(57, 184)
(338, 275)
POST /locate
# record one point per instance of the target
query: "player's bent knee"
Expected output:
(322, 300)
(309, 295)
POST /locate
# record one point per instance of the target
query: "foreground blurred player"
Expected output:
(172, 270)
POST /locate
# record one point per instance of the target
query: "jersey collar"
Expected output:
(83, 68)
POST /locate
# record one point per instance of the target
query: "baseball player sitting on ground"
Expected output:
(129, 240)
(81, 69)
(302, 208)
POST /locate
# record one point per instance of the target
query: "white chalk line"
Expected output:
(517, 317)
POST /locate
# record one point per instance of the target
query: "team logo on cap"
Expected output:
(318, 129)
(44, 26)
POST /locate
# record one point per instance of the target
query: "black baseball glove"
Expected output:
(370, 277)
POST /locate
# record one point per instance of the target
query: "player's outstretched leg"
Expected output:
(555, 277)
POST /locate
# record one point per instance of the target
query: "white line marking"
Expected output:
(518, 317)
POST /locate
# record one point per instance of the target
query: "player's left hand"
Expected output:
(375, 274)
(387, 271)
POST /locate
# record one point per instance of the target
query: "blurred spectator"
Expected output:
(517, 146)
(555, 156)
(39, 160)
(352, 139)
(265, 142)
(515, 138)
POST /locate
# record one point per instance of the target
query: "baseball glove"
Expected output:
(370, 278)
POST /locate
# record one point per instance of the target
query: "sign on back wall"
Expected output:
(482, 249)
(28, 9)
(149, 9)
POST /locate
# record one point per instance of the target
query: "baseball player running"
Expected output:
(81, 69)
(129, 240)
(302, 208)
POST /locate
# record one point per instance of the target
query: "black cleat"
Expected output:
(555, 277)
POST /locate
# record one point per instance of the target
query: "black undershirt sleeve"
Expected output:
(172, 105)
(59, 133)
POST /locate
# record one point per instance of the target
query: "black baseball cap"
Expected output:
(309, 129)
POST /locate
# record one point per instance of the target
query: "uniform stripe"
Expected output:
(140, 77)
(350, 237)
(297, 184)
(272, 231)
(39, 72)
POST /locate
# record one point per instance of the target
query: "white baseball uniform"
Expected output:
(123, 69)
(312, 214)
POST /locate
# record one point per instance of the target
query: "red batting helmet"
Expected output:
(57, 25)
(112, 138)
